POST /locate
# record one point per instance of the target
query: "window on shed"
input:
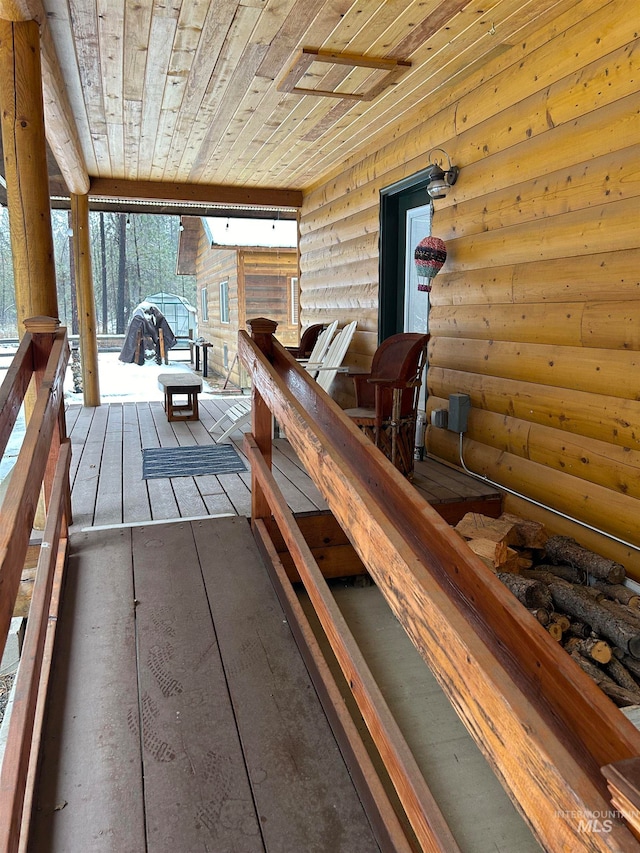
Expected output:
(295, 300)
(204, 306)
(224, 301)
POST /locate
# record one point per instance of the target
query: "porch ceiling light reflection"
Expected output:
(440, 180)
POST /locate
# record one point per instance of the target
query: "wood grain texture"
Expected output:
(540, 282)
(30, 689)
(25, 168)
(415, 583)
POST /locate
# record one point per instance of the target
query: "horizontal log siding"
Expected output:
(535, 313)
(267, 287)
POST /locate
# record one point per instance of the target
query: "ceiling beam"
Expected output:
(60, 126)
(194, 193)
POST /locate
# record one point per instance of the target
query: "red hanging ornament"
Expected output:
(430, 255)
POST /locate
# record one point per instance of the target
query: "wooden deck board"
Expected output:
(195, 781)
(110, 493)
(90, 796)
(85, 484)
(184, 718)
(135, 498)
(286, 736)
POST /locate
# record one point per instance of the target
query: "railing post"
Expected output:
(43, 331)
(261, 420)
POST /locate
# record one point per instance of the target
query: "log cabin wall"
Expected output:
(213, 266)
(259, 286)
(267, 276)
(535, 313)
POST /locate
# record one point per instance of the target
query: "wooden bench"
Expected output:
(181, 384)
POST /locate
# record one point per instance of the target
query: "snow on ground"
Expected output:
(120, 382)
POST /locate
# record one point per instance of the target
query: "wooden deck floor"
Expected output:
(106, 470)
(183, 718)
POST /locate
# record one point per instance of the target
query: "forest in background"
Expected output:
(133, 255)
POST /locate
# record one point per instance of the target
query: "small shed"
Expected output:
(236, 282)
(180, 315)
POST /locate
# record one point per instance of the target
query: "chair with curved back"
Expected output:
(307, 341)
(387, 397)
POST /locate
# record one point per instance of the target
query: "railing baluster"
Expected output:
(261, 420)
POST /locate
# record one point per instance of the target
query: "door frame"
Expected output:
(395, 200)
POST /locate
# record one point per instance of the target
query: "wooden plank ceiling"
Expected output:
(195, 93)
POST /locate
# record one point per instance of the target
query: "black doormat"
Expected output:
(190, 461)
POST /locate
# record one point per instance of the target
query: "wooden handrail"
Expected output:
(543, 725)
(42, 466)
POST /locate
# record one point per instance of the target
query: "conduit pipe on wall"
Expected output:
(538, 503)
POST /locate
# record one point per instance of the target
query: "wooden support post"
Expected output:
(261, 419)
(86, 300)
(25, 159)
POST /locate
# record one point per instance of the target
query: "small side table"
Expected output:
(180, 384)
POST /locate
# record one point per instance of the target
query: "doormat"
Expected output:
(190, 461)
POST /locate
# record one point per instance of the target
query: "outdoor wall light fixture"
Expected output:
(440, 179)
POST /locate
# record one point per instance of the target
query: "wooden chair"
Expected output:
(307, 341)
(322, 344)
(387, 397)
(323, 365)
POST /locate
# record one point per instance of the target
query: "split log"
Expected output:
(541, 614)
(621, 675)
(561, 619)
(620, 695)
(474, 525)
(530, 592)
(618, 592)
(572, 600)
(530, 534)
(564, 549)
(592, 648)
(555, 630)
(494, 554)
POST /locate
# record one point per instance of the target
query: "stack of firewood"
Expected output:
(577, 595)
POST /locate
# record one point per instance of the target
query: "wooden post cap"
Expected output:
(42, 325)
(262, 326)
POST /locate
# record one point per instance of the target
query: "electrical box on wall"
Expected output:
(459, 408)
(439, 418)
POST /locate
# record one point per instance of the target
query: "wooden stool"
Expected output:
(183, 384)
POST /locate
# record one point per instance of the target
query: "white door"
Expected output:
(416, 302)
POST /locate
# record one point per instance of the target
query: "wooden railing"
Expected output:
(542, 724)
(41, 473)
